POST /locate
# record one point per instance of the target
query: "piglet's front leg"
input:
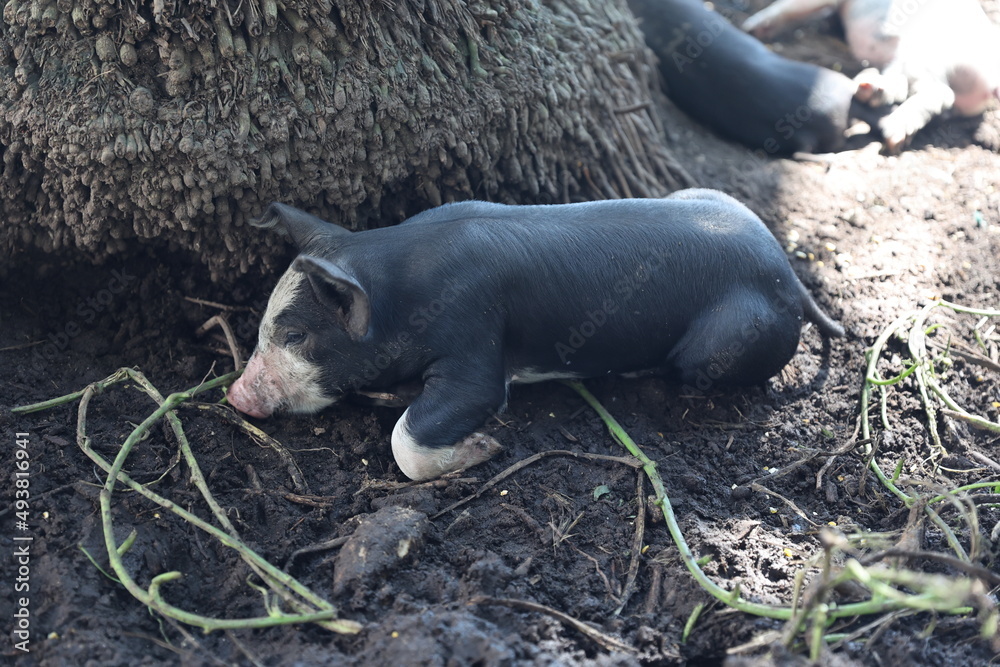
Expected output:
(419, 462)
(929, 99)
(436, 434)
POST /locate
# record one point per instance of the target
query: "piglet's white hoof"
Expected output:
(869, 83)
(419, 462)
(427, 462)
(474, 449)
(877, 89)
(894, 133)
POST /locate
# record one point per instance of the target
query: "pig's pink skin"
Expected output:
(240, 399)
(244, 394)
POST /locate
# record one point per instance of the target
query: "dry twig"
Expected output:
(625, 460)
(606, 641)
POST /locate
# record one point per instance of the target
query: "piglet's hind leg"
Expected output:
(744, 340)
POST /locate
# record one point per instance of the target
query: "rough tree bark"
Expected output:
(172, 123)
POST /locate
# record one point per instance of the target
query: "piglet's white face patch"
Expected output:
(284, 294)
(276, 377)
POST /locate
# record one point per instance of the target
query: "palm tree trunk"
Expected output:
(171, 123)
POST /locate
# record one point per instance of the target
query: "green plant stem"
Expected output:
(979, 422)
(873, 354)
(926, 385)
(649, 467)
(730, 598)
(895, 379)
(282, 583)
(916, 342)
(982, 312)
(117, 376)
(692, 619)
(45, 405)
(962, 489)
(151, 597)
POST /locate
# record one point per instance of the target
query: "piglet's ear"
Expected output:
(334, 287)
(302, 227)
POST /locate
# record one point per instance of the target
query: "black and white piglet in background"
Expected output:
(469, 297)
(927, 56)
(733, 83)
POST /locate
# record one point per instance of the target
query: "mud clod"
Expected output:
(381, 543)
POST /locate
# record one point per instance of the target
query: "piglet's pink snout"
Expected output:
(242, 396)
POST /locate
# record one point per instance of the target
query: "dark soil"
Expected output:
(873, 237)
